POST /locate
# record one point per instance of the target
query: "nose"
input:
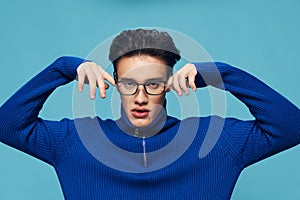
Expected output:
(141, 96)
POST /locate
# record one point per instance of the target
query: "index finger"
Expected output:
(109, 78)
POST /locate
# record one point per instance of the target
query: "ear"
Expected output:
(115, 76)
(116, 79)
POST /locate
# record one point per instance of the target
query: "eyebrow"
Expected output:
(147, 80)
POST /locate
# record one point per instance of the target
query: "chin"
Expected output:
(140, 122)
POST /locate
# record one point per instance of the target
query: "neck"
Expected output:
(152, 129)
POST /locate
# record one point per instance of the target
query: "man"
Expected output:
(141, 60)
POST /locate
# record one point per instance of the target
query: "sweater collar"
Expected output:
(160, 123)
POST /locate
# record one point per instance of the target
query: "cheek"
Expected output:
(157, 100)
(125, 101)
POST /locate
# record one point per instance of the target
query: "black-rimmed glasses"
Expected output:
(151, 88)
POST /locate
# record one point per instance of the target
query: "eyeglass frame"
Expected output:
(145, 87)
(137, 86)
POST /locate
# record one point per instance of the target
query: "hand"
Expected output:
(182, 79)
(94, 75)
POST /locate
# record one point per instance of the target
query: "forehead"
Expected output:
(142, 67)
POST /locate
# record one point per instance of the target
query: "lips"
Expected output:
(140, 112)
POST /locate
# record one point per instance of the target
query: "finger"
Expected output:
(183, 84)
(92, 83)
(106, 86)
(98, 72)
(175, 85)
(191, 82)
(81, 77)
(169, 83)
(101, 85)
(109, 78)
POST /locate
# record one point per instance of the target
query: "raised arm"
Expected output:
(20, 126)
(277, 121)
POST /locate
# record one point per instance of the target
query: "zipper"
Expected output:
(144, 152)
(136, 134)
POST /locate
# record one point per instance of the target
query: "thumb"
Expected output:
(169, 84)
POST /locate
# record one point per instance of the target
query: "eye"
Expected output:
(153, 85)
(128, 84)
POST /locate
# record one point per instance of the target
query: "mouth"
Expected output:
(140, 113)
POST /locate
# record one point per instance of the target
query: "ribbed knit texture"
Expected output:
(276, 127)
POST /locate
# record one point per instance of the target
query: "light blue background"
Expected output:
(260, 37)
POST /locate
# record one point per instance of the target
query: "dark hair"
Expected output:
(144, 42)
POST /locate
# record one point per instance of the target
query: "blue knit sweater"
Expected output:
(97, 159)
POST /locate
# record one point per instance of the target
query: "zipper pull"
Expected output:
(136, 132)
(144, 152)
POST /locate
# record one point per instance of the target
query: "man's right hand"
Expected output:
(92, 74)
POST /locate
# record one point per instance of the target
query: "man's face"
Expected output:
(142, 108)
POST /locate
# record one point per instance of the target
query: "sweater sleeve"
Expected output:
(276, 126)
(20, 126)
